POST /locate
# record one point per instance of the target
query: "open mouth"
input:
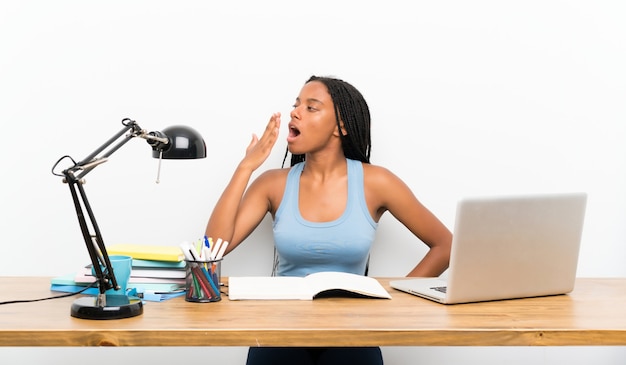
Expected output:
(293, 132)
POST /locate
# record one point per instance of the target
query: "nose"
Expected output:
(295, 112)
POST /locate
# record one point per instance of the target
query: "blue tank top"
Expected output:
(306, 247)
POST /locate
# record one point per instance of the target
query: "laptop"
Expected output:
(507, 248)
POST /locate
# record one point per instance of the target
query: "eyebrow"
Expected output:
(313, 100)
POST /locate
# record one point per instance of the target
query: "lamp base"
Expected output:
(116, 307)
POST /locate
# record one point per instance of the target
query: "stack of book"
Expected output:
(158, 272)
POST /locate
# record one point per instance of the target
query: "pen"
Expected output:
(185, 246)
(193, 255)
(202, 285)
(211, 282)
(194, 290)
(206, 253)
(203, 281)
(215, 248)
(220, 254)
(199, 246)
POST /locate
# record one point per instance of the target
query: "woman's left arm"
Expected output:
(387, 192)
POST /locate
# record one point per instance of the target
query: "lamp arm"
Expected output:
(156, 139)
(95, 245)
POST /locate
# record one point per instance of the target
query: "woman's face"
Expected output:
(313, 124)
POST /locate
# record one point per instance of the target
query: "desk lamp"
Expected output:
(177, 142)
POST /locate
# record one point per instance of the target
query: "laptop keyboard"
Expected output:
(440, 288)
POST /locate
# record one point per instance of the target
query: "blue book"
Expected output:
(149, 295)
(139, 263)
(69, 284)
(74, 289)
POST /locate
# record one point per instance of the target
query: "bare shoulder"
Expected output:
(271, 177)
(375, 175)
(270, 185)
(274, 173)
(384, 190)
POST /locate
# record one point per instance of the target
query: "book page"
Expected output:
(268, 287)
(359, 284)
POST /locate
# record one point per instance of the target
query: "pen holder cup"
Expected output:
(202, 281)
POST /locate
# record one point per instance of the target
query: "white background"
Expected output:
(467, 98)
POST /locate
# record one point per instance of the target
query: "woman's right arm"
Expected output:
(239, 210)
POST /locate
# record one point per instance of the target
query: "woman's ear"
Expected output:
(343, 129)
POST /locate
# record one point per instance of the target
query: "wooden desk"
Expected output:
(593, 314)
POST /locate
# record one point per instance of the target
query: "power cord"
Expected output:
(48, 298)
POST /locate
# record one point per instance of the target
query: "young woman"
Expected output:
(326, 207)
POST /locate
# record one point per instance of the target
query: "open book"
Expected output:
(304, 288)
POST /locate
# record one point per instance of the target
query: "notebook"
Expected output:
(507, 248)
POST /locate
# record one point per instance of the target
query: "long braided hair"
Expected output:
(352, 109)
